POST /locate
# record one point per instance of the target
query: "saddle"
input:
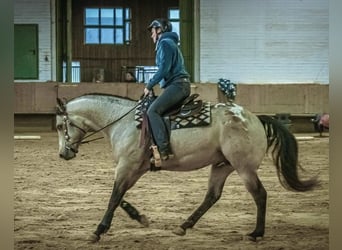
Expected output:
(187, 108)
(190, 113)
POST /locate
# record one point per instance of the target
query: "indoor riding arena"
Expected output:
(58, 203)
(268, 57)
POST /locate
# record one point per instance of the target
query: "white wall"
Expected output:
(246, 41)
(264, 41)
(38, 12)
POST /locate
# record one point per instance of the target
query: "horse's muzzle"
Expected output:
(68, 153)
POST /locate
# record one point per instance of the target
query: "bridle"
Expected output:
(67, 122)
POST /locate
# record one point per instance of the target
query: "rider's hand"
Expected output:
(146, 92)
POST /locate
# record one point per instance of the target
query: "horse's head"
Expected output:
(71, 131)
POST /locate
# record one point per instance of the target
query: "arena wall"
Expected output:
(34, 107)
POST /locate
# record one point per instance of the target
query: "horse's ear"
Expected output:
(60, 107)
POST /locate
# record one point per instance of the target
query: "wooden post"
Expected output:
(69, 42)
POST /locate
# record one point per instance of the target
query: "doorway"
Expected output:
(26, 51)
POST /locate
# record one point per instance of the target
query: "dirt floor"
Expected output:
(58, 204)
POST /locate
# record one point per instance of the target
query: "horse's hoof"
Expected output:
(94, 238)
(253, 238)
(179, 231)
(144, 221)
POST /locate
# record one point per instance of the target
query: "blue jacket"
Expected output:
(169, 61)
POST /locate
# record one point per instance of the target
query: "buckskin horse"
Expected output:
(235, 140)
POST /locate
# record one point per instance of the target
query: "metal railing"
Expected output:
(142, 74)
(75, 72)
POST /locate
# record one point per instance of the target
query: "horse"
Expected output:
(235, 140)
(320, 122)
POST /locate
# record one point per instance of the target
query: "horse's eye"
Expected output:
(59, 127)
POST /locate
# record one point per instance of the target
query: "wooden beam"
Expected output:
(27, 137)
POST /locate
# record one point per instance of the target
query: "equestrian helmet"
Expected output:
(162, 23)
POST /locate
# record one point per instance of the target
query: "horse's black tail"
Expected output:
(285, 155)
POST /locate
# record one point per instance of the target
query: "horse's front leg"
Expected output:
(106, 221)
(127, 174)
(134, 213)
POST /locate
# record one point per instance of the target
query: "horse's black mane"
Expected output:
(102, 94)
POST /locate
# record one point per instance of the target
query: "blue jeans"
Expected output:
(172, 95)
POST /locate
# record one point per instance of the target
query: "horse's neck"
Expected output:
(98, 114)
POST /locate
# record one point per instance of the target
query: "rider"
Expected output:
(172, 78)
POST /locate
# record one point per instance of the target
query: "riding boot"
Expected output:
(161, 155)
(166, 154)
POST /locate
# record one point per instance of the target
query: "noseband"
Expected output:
(66, 123)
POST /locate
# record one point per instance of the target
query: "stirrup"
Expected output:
(155, 160)
(162, 158)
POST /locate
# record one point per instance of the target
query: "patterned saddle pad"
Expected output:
(202, 118)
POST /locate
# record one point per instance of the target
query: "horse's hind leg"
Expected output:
(134, 213)
(257, 190)
(218, 176)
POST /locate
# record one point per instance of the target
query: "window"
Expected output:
(174, 18)
(107, 25)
